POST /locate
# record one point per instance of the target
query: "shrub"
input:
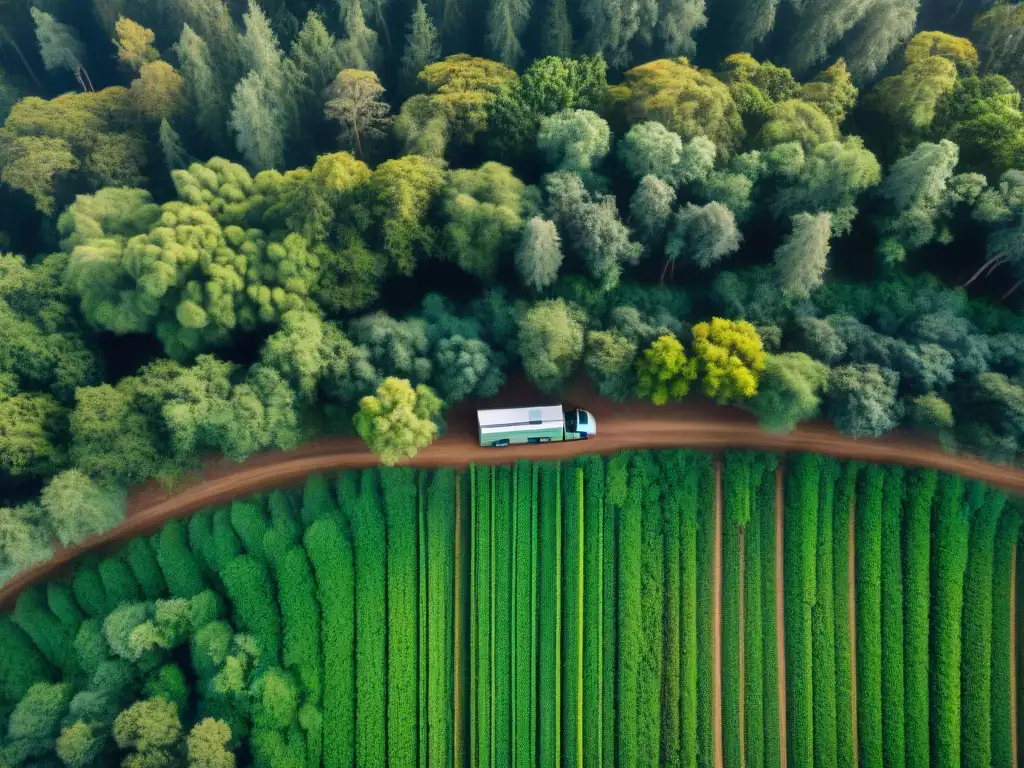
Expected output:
(178, 564)
(501, 573)
(616, 480)
(370, 553)
(330, 552)
(593, 644)
(151, 730)
(705, 521)
(770, 724)
(200, 541)
(976, 668)
(254, 605)
(736, 490)
(207, 745)
(398, 421)
(250, 527)
(118, 582)
(893, 697)
(35, 618)
(301, 621)
(440, 533)
(317, 500)
(823, 622)
(842, 541)
(145, 568)
(399, 490)
(284, 517)
(1007, 537)
(868, 542)
(169, 684)
(480, 519)
(950, 526)
(664, 372)
(630, 628)
(225, 540)
(21, 664)
(652, 612)
(78, 507)
(37, 716)
(62, 603)
(670, 463)
(800, 539)
(89, 591)
(917, 594)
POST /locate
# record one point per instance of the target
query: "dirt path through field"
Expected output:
(716, 572)
(780, 608)
(853, 625)
(692, 424)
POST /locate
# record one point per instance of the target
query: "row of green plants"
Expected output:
(537, 613)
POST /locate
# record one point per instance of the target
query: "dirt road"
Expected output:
(693, 424)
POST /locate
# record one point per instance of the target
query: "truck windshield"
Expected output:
(582, 416)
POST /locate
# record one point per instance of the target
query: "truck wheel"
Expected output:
(500, 444)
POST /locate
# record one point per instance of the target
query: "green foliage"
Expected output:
(892, 615)
(789, 391)
(1007, 537)
(551, 341)
(823, 645)
(664, 372)
(398, 421)
(862, 399)
(921, 486)
(801, 540)
(180, 569)
(369, 548)
(151, 731)
(255, 608)
(977, 624)
(330, 552)
(730, 358)
(706, 234)
(78, 507)
(207, 745)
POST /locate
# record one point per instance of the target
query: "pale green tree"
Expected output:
(679, 20)
(705, 234)
(398, 421)
(22, 540)
(207, 745)
(422, 46)
(485, 209)
(591, 226)
(150, 731)
(78, 507)
(650, 208)
(539, 254)
(832, 91)
(574, 140)
(610, 362)
(789, 391)
(60, 47)
(754, 20)
(203, 89)
(256, 122)
(174, 152)
(551, 342)
(357, 103)
(80, 744)
(30, 434)
(801, 260)
(883, 27)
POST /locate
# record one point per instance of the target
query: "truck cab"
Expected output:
(579, 424)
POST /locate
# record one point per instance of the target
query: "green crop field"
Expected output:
(575, 623)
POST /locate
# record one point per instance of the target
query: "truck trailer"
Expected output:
(501, 427)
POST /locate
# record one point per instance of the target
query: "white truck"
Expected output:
(501, 427)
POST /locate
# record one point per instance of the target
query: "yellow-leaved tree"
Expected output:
(730, 357)
(664, 372)
(398, 420)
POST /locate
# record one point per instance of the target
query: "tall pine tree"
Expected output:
(557, 38)
(422, 46)
(679, 20)
(505, 22)
(203, 89)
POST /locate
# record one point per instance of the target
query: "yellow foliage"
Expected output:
(158, 91)
(664, 372)
(461, 87)
(958, 50)
(731, 358)
(684, 99)
(134, 44)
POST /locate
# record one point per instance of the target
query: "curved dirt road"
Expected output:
(693, 424)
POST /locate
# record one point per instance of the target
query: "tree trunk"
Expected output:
(17, 49)
(355, 132)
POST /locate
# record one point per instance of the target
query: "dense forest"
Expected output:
(232, 226)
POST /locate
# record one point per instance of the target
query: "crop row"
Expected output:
(556, 614)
